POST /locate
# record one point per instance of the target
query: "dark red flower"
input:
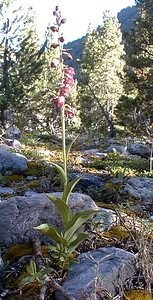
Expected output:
(68, 81)
(69, 71)
(70, 113)
(59, 101)
(54, 45)
(68, 55)
(54, 64)
(61, 39)
(54, 28)
(65, 91)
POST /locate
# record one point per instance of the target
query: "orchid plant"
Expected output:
(68, 239)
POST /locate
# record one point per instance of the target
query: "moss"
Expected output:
(17, 251)
(113, 185)
(117, 232)
(38, 168)
(20, 250)
(33, 184)
(12, 178)
(105, 205)
(137, 295)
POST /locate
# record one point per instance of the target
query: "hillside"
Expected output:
(125, 16)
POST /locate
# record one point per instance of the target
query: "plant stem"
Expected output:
(64, 144)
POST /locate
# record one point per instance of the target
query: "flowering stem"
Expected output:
(64, 144)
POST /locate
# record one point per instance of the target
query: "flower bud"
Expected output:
(63, 21)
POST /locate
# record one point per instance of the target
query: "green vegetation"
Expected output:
(111, 93)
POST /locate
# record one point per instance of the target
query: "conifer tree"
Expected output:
(10, 28)
(135, 108)
(28, 67)
(22, 63)
(101, 66)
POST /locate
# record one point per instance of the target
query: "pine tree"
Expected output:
(29, 60)
(135, 109)
(10, 28)
(101, 65)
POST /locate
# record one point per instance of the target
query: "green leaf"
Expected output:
(53, 248)
(69, 147)
(69, 187)
(52, 232)
(47, 271)
(80, 237)
(63, 208)
(26, 280)
(61, 172)
(76, 221)
(31, 269)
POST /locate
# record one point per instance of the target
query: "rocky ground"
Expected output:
(116, 181)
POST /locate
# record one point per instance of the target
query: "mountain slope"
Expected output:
(125, 17)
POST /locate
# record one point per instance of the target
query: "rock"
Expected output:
(105, 218)
(140, 188)
(13, 132)
(91, 151)
(10, 144)
(95, 152)
(6, 191)
(19, 214)
(1, 271)
(12, 163)
(87, 181)
(117, 149)
(4, 147)
(104, 269)
(139, 149)
(17, 145)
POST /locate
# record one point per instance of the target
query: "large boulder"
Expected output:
(140, 188)
(12, 163)
(19, 214)
(139, 149)
(100, 271)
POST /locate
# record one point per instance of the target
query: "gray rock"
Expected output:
(140, 188)
(19, 214)
(87, 181)
(1, 271)
(117, 149)
(12, 163)
(91, 151)
(6, 191)
(102, 269)
(4, 147)
(139, 149)
(13, 132)
(104, 219)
